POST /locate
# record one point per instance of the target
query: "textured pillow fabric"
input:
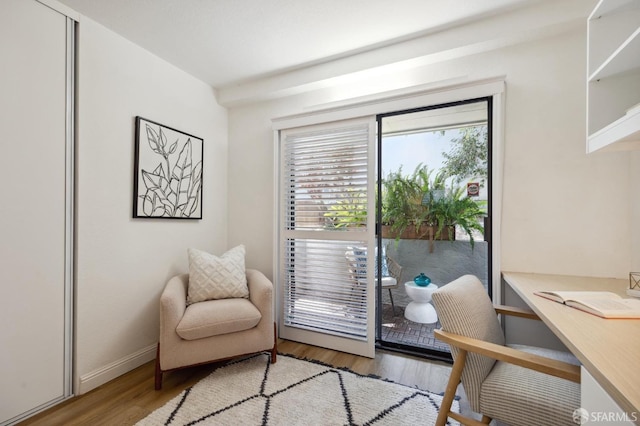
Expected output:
(212, 277)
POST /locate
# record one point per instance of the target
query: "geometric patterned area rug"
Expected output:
(252, 391)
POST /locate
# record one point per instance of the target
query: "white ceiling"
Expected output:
(229, 42)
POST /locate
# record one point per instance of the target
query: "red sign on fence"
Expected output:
(473, 189)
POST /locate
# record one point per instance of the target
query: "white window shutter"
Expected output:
(324, 228)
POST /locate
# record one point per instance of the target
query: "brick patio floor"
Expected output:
(397, 329)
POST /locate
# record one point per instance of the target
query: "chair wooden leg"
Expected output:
(486, 420)
(274, 351)
(393, 307)
(158, 381)
(452, 386)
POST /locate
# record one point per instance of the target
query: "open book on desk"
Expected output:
(601, 303)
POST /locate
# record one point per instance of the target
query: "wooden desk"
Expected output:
(608, 348)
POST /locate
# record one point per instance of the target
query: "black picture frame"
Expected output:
(168, 174)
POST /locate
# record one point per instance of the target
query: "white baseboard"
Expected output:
(117, 368)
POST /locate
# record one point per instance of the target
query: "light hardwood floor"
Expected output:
(131, 397)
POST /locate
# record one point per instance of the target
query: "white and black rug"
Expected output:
(295, 392)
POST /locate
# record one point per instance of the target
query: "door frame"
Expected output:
(403, 100)
(432, 353)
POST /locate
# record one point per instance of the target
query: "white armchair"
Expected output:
(214, 330)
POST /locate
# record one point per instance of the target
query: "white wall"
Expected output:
(564, 211)
(123, 263)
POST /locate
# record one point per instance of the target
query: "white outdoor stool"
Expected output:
(420, 309)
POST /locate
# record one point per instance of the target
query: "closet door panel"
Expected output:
(32, 210)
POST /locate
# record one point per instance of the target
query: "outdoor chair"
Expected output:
(515, 384)
(391, 270)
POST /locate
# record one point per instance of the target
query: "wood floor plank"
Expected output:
(131, 397)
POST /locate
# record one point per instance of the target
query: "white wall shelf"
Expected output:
(624, 59)
(622, 134)
(613, 70)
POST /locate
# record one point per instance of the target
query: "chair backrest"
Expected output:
(395, 270)
(357, 266)
(357, 263)
(464, 308)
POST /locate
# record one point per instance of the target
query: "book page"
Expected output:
(605, 305)
(609, 307)
(562, 296)
(582, 295)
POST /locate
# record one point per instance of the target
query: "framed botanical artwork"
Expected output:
(167, 173)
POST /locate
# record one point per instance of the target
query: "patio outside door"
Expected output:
(434, 177)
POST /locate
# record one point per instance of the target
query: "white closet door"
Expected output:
(33, 217)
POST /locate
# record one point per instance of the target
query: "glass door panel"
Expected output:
(433, 213)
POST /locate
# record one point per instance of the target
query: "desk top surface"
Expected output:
(608, 348)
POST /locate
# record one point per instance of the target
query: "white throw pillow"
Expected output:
(213, 277)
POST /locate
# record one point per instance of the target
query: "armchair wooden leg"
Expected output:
(486, 420)
(274, 351)
(158, 381)
(452, 386)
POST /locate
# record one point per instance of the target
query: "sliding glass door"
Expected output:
(434, 177)
(350, 241)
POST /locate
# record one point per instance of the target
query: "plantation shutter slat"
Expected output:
(324, 169)
(323, 205)
(321, 294)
